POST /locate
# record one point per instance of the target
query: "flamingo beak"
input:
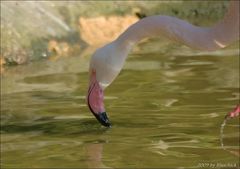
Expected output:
(103, 119)
(233, 113)
(95, 103)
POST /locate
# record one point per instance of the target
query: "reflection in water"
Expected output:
(165, 110)
(95, 155)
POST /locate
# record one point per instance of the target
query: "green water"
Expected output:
(166, 108)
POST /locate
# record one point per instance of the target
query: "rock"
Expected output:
(58, 49)
(2, 62)
(103, 29)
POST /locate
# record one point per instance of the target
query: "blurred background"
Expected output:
(32, 31)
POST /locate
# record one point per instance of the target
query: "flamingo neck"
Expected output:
(218, 36)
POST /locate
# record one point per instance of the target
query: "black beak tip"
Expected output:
(103, 119)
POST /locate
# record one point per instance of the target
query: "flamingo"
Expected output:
(107, 61)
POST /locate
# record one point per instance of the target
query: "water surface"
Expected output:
(166, 107)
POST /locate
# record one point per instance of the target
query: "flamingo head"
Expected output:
(95, 100)
(105, 65)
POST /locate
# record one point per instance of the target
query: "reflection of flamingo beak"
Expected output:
(95, 100)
